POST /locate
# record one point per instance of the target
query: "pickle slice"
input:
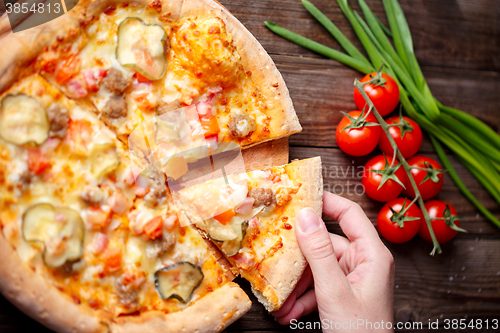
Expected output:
(141, 47)
(59, 229)
(178, 281)
(231, 247)
(103, 159)
(22, 120)
(220, 232)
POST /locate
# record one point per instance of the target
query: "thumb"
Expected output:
(315, 244)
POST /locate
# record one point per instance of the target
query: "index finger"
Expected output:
(352, 219)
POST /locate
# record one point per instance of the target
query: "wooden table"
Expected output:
(457, 44)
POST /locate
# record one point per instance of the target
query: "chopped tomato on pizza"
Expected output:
(250, 219)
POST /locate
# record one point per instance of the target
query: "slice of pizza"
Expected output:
(250, 217)
(84, 248)
(134, 63)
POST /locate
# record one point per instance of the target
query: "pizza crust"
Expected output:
(284, 269)
(212, 313)
(43, 302)
(33, 295)
(20, 48)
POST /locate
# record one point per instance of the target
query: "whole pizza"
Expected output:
(109, 222)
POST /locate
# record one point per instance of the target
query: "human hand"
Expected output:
(352, 277)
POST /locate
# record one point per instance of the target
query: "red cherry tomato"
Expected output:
(409, 144)
(385, 99)
(371, 180)
(357, 141)
(389, 228)
(429, 188)
(443, 232)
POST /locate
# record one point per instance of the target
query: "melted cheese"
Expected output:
(190, 77)
(61, 185)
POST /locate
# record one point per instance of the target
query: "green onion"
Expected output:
(369, 47)
(378, 31)
(386, 30)
(335, 32)
(470, 137)
(454, 175)
(402, 40)
(480, 127)
(319, 48)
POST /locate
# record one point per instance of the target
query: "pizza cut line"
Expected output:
(87, 246)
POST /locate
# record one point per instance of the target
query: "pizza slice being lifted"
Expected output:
(250, 218)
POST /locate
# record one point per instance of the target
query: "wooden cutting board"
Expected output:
(267, 154)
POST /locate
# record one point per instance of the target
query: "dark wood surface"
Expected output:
(457, 44)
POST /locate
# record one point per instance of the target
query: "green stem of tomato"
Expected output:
(403, 212)
(402, 160)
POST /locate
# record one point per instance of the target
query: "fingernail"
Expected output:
(308, 220)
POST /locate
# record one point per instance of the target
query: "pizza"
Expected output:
(250, 220)
(106, 223)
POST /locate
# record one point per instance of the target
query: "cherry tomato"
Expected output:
(443, 232)
(371, 180)
(409, 144)
(385, 99)
(357, 141)
(431, 187)
(387, 223)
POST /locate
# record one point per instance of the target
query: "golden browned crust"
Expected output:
(43, 302)
(33, 295)
(284, 269)
(20, 48)
(212, 313)
(255, 59)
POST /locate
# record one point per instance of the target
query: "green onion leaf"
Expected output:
(335, 32)
(319, 48)
(456, 179)
(373, 54)
(474, 123)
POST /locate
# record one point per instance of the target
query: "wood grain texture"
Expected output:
(265, 155)
(456, 42)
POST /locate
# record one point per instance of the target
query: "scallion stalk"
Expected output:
(335, 32)
(474, 123)
(319, 48)
(461, 186)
